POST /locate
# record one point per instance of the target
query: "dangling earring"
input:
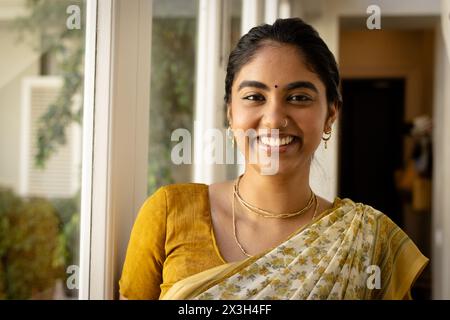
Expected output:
(325, 139)
(230, 135)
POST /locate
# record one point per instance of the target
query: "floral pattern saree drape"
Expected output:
(349, 252)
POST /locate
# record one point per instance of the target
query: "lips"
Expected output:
(276, 141)
(282, 144)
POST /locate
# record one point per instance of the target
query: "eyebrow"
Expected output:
(302, 84)
(290, 86)
(253, 84)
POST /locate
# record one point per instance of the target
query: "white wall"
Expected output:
(441, 171)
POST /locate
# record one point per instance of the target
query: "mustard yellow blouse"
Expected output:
(172, 238)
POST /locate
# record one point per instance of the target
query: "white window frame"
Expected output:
(208, 93)
(87, 149)
(285, 9)
(271, 11)
(252, 14)
(115, 138)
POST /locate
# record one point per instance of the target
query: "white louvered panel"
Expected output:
(59, 178)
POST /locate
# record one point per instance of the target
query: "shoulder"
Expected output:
(181, 189)
(173, 209)
(172, 197)
(177, 192)
(180, 202)
(388, 236)
(373, 223)
(367, 212)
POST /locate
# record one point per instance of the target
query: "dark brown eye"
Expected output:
(300, 97)
(254, 97)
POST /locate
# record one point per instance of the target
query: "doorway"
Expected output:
(371, 143)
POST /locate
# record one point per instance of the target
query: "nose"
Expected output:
(274, 116)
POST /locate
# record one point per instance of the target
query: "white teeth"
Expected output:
(276, 142)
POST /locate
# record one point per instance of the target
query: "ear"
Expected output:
(333, 112)
(229, 115)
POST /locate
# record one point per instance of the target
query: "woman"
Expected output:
(268, 236)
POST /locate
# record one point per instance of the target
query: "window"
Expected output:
(174, 65)
(173, 62)
(41, 95)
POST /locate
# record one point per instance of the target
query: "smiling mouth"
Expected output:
(276, 142)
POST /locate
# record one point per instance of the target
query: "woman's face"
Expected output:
(274, 86)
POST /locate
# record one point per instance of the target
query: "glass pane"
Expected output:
(174, 50)
(41, 88)
(174, 32)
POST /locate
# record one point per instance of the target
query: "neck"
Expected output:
(276, 193)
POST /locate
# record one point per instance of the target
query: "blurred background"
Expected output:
(390, 148)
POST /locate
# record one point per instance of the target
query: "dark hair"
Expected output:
(292, 31)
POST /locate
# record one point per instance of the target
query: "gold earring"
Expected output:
(230, 135)
(325, 139)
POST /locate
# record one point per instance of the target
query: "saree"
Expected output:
(351, 251)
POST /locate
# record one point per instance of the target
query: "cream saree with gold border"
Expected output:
(351, 251)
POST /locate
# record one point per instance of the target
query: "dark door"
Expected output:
(371, 143)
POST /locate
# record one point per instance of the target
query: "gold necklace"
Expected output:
(234, 224)
(268, 214)
(315, 208)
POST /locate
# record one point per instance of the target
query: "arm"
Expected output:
(142, 271)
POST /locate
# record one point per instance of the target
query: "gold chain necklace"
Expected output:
(234, 224)
(268, 214)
